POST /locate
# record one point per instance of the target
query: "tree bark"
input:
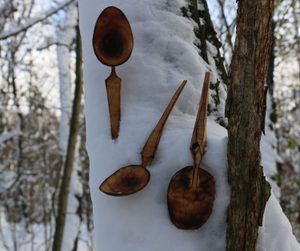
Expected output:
(244, 109)
(68, 167)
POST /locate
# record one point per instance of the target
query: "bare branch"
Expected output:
(227, 26)
(32, 21)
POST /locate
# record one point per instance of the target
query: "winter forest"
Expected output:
(64, 131)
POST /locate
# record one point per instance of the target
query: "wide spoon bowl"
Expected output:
(127, 180)
(190, 207)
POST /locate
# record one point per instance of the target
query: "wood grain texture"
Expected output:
(190, 207)
(199, 138)
(148, 152)
(113, 90)
(113, 38)
(113, 45)
(244, 109)
(125, 181)
(191, 191)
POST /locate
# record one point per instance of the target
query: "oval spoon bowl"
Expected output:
(127, 180)
(112, 39)
(190, 207)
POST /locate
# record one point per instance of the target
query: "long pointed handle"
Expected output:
(150, 147)
(113, 89)
(199, 138)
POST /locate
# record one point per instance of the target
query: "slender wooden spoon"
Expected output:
(113, 44)
(130, 179)
(191, 190)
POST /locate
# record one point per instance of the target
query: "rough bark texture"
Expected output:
(244, 109)
(68, 167)
(270, 76)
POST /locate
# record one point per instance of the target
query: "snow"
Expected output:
(163, 56)
(269, 152)
(276, 233)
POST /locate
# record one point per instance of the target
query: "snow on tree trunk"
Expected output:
(165, 53)
(65, 91)
(66, 36)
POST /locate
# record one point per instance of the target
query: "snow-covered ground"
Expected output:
(163, 56)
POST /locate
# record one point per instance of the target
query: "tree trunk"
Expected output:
(68, 167)
(244, 109)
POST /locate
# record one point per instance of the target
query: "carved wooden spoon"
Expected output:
(113, 44)
(130, 179)
(191, 191)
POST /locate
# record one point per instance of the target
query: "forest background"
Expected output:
(38, 56)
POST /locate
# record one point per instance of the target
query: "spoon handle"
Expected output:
(199, 138)
(150, 147)
(113, 89)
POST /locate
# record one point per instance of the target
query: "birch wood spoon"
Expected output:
(191, 190)
(113, 44)
(131, 179)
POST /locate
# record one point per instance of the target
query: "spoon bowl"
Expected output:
(113, 39)
(190, 207)
(127, 180)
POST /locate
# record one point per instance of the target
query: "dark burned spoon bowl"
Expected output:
(113, 39)
(126, 181)
(190, 207)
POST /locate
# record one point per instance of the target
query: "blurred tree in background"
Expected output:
(37, 88)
